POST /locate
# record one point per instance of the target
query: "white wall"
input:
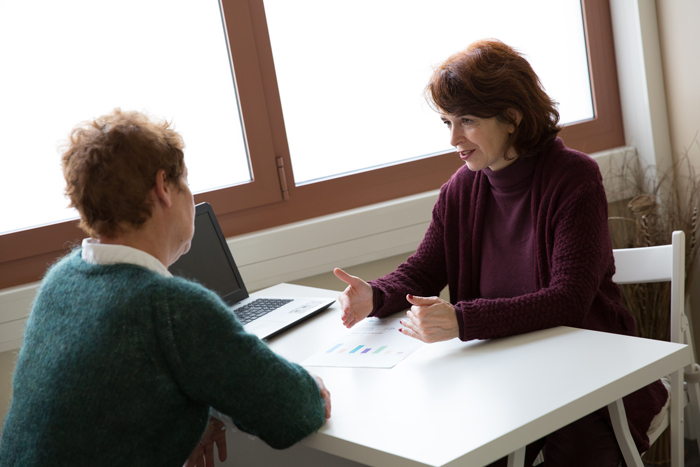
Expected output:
(679, 37)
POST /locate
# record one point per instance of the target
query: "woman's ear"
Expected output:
(162, 189)
(516, 115)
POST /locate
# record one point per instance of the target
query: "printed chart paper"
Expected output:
(373, 343)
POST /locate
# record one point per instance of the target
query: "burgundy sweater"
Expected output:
(573, 264)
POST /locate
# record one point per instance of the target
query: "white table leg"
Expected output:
(676, 419)
(517, 458)
(623, 435)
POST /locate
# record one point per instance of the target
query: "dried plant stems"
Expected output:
(657, 204)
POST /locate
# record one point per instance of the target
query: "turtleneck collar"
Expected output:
(514, 175)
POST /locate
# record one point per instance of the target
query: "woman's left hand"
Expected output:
(430, 319)
(203, 454)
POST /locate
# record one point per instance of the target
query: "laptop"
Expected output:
(209, 262)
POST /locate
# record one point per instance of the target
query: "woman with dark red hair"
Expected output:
(519, 235)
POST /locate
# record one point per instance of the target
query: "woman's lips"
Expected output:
(464, 155)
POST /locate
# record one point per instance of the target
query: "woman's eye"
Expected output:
(466, 121)
(446, 122)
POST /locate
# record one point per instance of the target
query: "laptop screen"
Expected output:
(209, 260)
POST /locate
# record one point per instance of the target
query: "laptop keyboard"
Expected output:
(257, 308)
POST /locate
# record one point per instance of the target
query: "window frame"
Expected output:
(271, 199)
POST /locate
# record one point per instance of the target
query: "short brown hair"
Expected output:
(486, 80)
(110, 165)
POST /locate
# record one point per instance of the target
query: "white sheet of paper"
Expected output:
(373, 343)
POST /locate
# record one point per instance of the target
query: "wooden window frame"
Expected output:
(272, 199)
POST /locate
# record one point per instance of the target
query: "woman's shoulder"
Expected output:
(560, 160)
(564, 170)
(463, 174)
(131, 281)
(461, 181)
(63, 271)
(564, 174)
(179, 286)
(69, 261)
(185, 295)
(456, 191)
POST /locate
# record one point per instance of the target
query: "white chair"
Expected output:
(661, 264)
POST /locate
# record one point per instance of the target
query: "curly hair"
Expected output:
(110, 166)
(486, 80)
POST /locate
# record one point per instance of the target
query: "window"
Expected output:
(272, 197)
(350, 75)
(94, 64)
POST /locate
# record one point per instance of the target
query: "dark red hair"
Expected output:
(487, 80)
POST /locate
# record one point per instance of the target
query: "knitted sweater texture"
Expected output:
(120, 366)
(573, 273)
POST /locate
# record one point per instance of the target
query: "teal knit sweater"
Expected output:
(120, 367)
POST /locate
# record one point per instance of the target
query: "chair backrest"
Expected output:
(657, 264)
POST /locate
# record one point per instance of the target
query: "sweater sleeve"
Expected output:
(580, 257)
(423, 273)
(218, 364)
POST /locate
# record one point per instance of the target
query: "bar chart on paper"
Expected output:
(374, 343)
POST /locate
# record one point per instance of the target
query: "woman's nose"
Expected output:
(456, 137)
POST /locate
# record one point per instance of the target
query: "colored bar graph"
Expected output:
(361, 349)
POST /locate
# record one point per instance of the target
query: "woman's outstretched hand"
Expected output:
(356, 301)
(430, 319)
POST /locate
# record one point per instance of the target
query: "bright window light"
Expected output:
(68, 61)
(351, 74)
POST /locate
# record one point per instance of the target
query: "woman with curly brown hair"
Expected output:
(122, 362)
(519, 235)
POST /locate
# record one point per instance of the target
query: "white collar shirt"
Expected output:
(100, 253)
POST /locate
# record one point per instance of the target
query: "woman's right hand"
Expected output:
(325, 395)
(356, 301)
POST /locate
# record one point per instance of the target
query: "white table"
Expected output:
(470, 403)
